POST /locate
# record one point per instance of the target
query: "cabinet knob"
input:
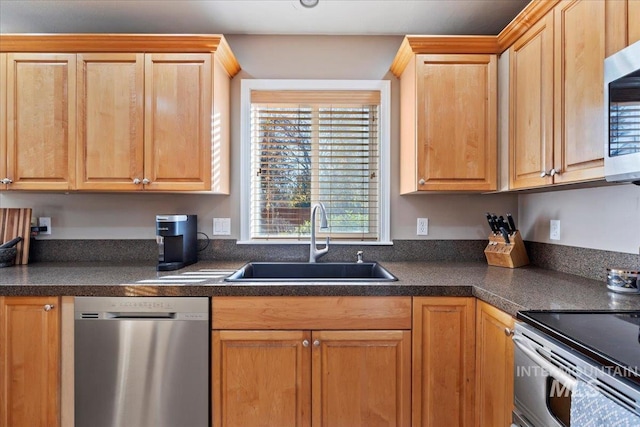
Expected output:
(49, 307)
(422, 181)
(508, 332)
(316, 343)
(6, 181)
(145, 181)
(136, 181)
(552, 172)
(305, 343)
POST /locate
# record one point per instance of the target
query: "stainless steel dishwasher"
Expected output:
(141, 361)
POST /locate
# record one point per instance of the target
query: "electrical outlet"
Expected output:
(423, 227)
(44, 221)
(221, 226)
(554, 229)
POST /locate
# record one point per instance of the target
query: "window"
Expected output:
(305, 142)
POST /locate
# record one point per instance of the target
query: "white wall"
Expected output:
(131, 216)
(605, 218)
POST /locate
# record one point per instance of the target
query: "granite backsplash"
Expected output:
(583, 262)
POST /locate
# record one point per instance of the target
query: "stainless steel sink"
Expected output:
(312, 272)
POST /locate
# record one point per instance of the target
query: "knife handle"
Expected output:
(505, 235)
(512, 223)
(492, 224)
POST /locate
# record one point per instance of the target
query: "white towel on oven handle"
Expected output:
(590, 408)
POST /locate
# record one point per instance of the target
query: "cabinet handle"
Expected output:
(136, 181)
(552, 172)
(422, 181)
(316, 343)
(49, 307)
(145, 181)
(508, 332)
(305, 343)
(6, 181)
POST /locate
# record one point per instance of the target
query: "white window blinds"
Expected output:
(309, 147)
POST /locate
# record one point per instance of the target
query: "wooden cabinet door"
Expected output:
(443, 361)
(633, 20)
(531, 111)
(261, 378)
(3, 118)
(361, 378)
(41, 121)
(29, 362)
(178, 105)
(110, 121)
(494, 358)
(579, 92)
(457, 122)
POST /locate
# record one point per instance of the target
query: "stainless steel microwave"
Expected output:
(622, 104)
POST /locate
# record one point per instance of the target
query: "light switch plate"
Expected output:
(221, 226)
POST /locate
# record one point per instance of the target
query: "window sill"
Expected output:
(319, 242)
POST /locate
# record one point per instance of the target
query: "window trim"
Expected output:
(247, 85)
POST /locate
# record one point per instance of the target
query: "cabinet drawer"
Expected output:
(311, 312)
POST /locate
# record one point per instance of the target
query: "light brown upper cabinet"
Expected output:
(41, 120)
(144, 121)
(633, 20)
(531, 111)
(448, 120)
(578, 90)
(154, 116)
(178, 118)
(110, 121)
(622, 24)
(3, 120)
(565, 51)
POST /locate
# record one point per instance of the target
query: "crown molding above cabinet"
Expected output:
(144, 43)
(418, 44)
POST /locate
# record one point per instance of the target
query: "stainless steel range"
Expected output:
(577, 368)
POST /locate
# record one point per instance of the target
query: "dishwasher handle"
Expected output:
(140, 315)
(553, 370)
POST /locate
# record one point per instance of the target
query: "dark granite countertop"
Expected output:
(508, 289)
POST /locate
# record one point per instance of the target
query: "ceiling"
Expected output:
(329, 17)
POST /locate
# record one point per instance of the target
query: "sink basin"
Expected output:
(312, 272)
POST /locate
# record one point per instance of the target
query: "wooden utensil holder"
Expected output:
(503, 254)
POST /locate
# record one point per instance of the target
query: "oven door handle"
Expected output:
(557, 373)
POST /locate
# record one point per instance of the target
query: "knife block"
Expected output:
(509, 255)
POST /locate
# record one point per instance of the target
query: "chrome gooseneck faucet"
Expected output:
(314, 252)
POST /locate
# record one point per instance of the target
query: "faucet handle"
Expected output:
(360, 254)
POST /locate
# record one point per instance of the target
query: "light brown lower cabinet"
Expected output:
(443, 361)
(325, 377)
(30, 361)
(494, 358)
(304, 378)
(355, 361)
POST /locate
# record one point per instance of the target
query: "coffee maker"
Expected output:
(177, 241)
